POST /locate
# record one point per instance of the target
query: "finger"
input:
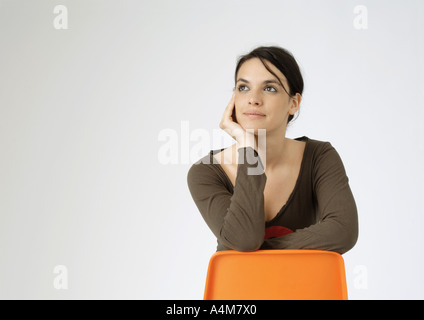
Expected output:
(233, 97)
(231, 104)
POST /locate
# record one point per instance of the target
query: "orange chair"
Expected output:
(276, 275)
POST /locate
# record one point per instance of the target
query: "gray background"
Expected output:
(81, 110)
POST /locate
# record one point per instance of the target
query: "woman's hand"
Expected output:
(236, 131)
(229, 125)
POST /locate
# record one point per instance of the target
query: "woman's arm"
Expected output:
(337, 220)
(237, 220)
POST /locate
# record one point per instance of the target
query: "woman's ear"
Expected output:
(295, 103)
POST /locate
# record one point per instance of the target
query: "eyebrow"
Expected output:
(265, 82)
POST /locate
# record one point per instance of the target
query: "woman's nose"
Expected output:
(255, 100)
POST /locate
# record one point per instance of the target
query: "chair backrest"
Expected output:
(276, 275)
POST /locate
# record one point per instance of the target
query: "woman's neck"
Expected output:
(273, 149)
(274, 152)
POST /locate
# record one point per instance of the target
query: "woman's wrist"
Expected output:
(246, 155)
(246, 140)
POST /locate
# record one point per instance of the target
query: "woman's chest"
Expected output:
(279, 187)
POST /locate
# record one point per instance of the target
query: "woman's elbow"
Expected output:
(348, 240)
(248, 247)
(247, 244)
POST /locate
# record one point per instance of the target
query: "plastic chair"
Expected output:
(276, 275)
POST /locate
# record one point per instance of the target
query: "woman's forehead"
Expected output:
(253, 70)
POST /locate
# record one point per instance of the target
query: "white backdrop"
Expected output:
(88, 207)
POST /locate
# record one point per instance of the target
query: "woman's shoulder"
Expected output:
(323, 155)
(315, 146)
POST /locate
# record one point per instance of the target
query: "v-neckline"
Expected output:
(303, 138)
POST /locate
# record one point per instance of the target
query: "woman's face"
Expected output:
(258, 91)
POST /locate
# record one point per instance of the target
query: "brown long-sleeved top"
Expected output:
(321, 210)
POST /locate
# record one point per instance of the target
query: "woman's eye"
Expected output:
(245, 88)
(270, 89)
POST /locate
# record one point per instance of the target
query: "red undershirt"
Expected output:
(276, 231)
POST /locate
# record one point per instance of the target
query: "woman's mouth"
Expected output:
(254, 115)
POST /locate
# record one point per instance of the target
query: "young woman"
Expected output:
(300, 199)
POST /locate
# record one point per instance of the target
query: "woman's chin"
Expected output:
(254, 129)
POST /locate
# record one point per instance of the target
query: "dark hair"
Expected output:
(284, 61)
